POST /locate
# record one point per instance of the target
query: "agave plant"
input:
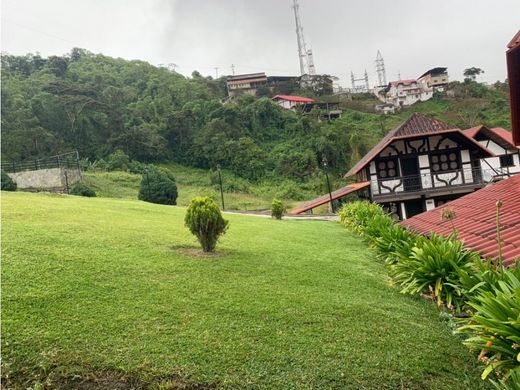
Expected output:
(433, 268)
(495, 327)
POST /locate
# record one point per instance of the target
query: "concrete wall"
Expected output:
(53, 179)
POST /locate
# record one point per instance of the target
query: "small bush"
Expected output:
(357, 216)
(205, 221)
(433, 268)
(277, 209)
(8, 184)
(394, 242)
(81, 189)
(158, 186)
(118, 161)
(494, 328)
(137, 167)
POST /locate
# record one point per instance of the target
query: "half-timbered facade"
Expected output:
(500, 142)
(420, 165)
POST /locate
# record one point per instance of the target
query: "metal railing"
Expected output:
(68, 160)
(436, 181)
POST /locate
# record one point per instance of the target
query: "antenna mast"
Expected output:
(380, 69)
(305, 56)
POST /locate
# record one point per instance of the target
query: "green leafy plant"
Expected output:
(495, 326)
(82, 189)
(277, 209)
(432, 268)
(394, 242)
(158, 186)
(118, 161)
(358, 215)
(8, 184)
(205, 221)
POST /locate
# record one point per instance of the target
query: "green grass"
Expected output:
(111, 288)
(191, 182)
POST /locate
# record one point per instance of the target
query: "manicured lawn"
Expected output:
(113, 291)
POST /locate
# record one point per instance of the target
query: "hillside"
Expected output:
(101, 105)
(107, 293)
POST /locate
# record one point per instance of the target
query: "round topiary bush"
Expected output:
(205, 221)
(158, 186)
(277, 209)
(81, 189)
(8, 184)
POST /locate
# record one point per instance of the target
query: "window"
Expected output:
(506, 161)
(445, 162)
(387, 169)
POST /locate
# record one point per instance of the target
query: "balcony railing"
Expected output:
(435, 181)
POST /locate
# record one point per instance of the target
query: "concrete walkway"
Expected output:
(267, 214)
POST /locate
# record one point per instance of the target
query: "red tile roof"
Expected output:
(404, 82)
(417, 125)
(498, 134)
(299, 99)
(475, 220)
(326, 198)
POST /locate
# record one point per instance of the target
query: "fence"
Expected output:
(68, 160)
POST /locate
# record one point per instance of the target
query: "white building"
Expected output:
(405, 93)
(291, 102)
(506, 161)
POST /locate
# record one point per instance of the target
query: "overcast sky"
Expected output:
(412, 35)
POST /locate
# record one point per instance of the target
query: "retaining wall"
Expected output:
(53, 179)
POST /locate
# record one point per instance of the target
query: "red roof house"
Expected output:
(475, 220)
(290, 102)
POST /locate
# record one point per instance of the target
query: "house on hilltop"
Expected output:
(435, 78)
(402, 93)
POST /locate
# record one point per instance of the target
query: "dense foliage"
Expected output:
(8, 184)
(82, 189)
(205, 221)
(158, 186)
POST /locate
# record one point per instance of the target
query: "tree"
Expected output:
(472, 73)
(158, 186)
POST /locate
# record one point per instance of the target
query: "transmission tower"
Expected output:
(357, 87)
(380, 69)
(305, 56)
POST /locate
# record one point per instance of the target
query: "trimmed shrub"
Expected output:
(8, 184)
(277, 209)
(494, 328)
(81, 189)
(205, 221)
(158, 186)
(358, 215)
(433, 268)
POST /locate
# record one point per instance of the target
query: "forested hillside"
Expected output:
(98, 105)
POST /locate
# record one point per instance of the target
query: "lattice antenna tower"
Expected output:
(380, 69)
(304, 54)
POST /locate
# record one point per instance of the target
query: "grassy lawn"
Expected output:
(111, 293)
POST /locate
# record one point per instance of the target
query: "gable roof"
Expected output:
(501, 136)
(404, 82)
(417, 125)
(478, 229)
(299, 99)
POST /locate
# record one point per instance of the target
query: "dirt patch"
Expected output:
(198, 253)
(109, 379)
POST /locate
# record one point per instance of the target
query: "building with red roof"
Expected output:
(506, 161)
(291, 102)
(475, 220)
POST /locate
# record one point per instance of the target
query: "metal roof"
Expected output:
(326, 198)
(475, 220)
(417, 125)
(299, 99)
(434, 71)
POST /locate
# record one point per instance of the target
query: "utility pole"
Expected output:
(233, 69)
(216, 72)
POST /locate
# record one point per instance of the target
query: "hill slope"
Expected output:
(106, 293)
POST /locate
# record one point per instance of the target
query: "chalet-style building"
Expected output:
(436, 78)
(421, 164)
(500, 142)
(292, 102)
(403, 93)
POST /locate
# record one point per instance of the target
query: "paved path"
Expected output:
(267, 214)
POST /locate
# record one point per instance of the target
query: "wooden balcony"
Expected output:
(432, 184)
